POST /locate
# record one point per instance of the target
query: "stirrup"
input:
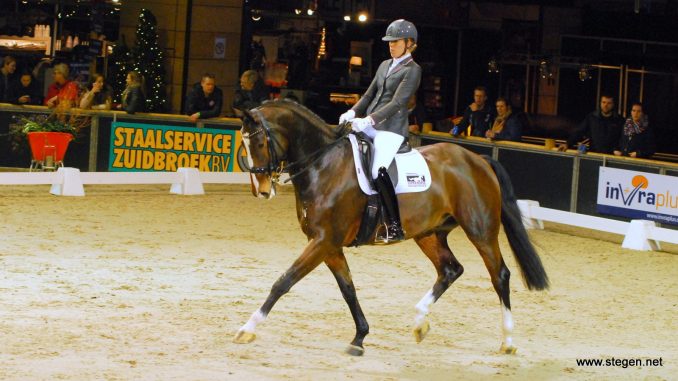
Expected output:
(389, 234)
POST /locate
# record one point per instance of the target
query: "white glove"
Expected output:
(359, 124)
(347, 116)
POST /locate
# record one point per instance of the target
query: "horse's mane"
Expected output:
(301, 111)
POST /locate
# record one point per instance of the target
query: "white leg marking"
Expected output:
(422, 308)
(255, 319)
(507, 325)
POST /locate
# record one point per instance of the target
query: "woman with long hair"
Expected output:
(637, 139)
(98, 97)
(134, 98)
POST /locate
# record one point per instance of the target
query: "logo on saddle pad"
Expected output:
(415, 180)
(413, 172)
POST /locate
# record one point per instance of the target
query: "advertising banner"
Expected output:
(638, 195)
(149, 147)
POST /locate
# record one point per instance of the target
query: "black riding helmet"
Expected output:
(400, 29)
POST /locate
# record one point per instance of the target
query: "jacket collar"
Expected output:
(400, 64)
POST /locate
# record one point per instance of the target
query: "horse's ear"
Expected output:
(247, 116)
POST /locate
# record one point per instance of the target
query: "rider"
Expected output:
(384, 107)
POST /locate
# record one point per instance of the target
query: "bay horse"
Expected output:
(467, 190)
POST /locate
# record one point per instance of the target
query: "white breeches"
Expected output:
(386, 145)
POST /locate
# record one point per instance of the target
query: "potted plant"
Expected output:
(48, 136)
(48, 141)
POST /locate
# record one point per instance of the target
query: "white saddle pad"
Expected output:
(413, 172)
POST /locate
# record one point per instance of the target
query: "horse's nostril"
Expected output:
(265, 194)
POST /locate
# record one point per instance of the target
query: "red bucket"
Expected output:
(39, 140)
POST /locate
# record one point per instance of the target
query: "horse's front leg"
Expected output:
(313, 255)
(339, 267)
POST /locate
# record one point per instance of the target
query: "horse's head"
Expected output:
(266, 150)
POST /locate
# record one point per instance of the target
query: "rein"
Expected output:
(276, 166)
(318, 153)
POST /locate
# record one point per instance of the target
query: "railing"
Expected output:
(566, 181)
(91, 141)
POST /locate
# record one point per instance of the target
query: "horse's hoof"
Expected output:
(244, 337)
(421, 331)
(507, 350)
(355, 350)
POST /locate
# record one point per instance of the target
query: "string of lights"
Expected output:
(148, 61)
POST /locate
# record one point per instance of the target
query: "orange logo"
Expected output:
(639, 181)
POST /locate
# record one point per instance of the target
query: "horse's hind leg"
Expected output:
(313, 255)
(449, 269)
(339, 267)
(500, 275)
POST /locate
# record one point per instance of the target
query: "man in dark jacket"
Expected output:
(479, 115)
(205, 99)
(251, 93)
(603, 126)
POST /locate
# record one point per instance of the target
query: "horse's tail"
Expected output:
(528, 259)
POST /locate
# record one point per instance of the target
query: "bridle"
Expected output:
(277, 163)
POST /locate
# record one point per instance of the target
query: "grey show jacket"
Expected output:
(385, 101)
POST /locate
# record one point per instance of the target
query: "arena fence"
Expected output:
(638, 234)
(70, 181)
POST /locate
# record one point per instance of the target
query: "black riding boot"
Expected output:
(394, 230)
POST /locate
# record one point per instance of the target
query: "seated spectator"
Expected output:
(62, 92)
(506, 125)
(479, 115)
(637, 139)
(602, 126)
(133, 98)
(26, 91)
(251, 93)
(98, 97)
(416, 115)
(205, 99)
(7, 78)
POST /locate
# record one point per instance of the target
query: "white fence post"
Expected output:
(529, 221)
(190, 184)
(638, 236)
(68, 183)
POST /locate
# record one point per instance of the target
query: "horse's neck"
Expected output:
(325, 170)
(306, 141)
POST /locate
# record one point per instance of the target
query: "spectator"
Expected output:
(133, 98)
(7, 78)
(602, 126)
(251, 93)
(506, 125)
(62, 92)
(98, 97)
(636, 139)
(205, 99)
(26, 91)
(479, 115)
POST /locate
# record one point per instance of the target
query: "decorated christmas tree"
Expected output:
(121, 63)
(148, 61)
